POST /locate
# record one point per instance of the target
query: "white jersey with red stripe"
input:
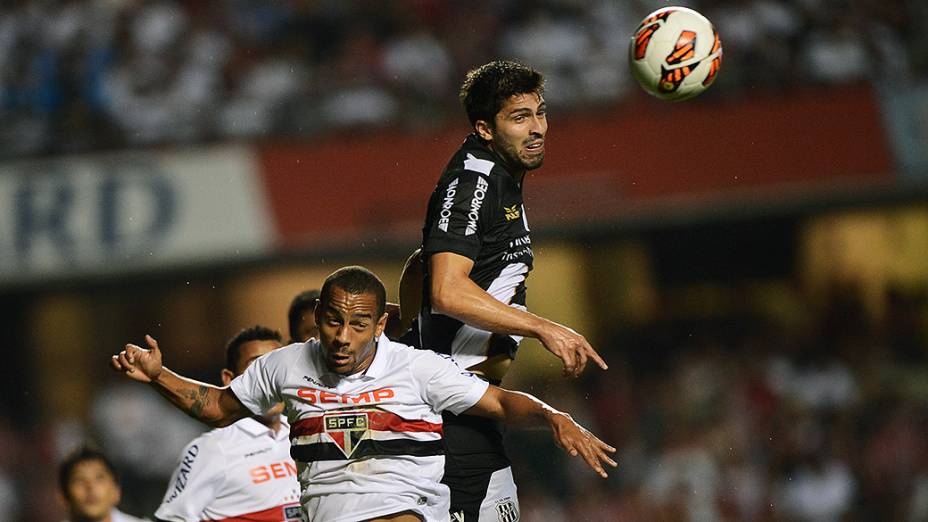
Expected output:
(369, 444)
(242, 472)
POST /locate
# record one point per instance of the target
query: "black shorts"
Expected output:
(477, 470)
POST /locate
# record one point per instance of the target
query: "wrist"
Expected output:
(537, 326)
(157, 380)
(552, 416)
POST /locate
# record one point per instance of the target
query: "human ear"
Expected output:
(226, 375)
(484, 130)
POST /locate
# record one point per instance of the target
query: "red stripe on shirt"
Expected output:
(274, 514)
(377, 421)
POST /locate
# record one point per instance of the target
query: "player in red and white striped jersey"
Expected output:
(242, 472)
(365, 413)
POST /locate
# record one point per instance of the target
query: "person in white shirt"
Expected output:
(89, 487)
(243, 471)
(365, 413)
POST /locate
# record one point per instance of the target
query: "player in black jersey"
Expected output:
(477, 253)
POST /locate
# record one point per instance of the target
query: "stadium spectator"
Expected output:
(90, 489)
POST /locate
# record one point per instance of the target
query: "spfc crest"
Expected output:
(347, 430)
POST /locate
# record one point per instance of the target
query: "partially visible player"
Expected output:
(89, 487)
(411, 292)
(477, 253)
(243, 471)
(365, 412)
(300, 320)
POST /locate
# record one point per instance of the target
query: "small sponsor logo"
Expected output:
(507, 510)
(258, 452)
(480, 192)
(309, 379)
(457, 516)
(512, 212)
(293, 514)
(422, 501)
(445, 215)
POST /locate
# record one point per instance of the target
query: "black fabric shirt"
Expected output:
(476, 210)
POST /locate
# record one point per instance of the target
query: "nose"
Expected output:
(341, 336)
(539, 126)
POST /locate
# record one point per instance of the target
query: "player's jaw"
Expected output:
(348, 360)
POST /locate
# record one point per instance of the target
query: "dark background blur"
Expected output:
(751, 263)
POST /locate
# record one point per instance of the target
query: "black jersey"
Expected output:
(476, 211)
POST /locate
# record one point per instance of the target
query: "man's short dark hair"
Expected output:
(255, 333)
(355, 280)
(487, 88)
(302, 303)
(84, 453)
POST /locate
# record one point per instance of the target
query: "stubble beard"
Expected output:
(511, 157)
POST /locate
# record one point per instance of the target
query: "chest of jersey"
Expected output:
(360, 417)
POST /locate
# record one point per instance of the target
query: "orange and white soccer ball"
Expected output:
(675, 53)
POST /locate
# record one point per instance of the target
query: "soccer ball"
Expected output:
(675, 53)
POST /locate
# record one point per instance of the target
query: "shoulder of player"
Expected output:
(471, 166)
(418, 360)
(404, 355)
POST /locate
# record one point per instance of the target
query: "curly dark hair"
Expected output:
(486, 88)
(254, 333)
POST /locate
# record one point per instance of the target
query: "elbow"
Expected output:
(442, 297)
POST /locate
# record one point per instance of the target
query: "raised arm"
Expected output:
(517, 408)
(207, 403)
(455, 294)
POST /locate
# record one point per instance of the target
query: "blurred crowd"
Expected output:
(738, 417)
(80, 75)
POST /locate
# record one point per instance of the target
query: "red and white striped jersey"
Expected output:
(368, 444)
(242, 472)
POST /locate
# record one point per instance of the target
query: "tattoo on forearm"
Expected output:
(200, 398)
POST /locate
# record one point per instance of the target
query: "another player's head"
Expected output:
(300, 319)
(88, 485)
(351, 317)
(505, 104)
(245, 347)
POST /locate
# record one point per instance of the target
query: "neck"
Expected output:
(517, 174)
(80, 518)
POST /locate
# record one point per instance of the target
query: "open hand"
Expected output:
(571, 347)
(577, 440)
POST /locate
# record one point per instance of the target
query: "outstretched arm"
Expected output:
(517, 408)
(455, 294)
(207, 403)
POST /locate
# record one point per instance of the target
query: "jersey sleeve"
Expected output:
(257, 387)
(196, 480)
(445, 385)
(461, 214)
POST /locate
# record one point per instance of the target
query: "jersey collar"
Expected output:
(379, 364)
(254, 428)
